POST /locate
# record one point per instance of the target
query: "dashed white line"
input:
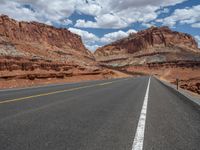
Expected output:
(139, 136)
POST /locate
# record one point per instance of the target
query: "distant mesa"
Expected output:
(156, 51)
(149, 40)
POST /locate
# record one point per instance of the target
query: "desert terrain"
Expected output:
(158, 51)
(32, 53)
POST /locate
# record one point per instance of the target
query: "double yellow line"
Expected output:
(55, 92)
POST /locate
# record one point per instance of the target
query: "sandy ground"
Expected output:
(13, 83)
(189, 78)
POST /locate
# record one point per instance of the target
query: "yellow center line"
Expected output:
(55, 92)
(105, 83)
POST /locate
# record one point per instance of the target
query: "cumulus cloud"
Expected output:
(91, 39)
(39, 10)
(89, 7)
(196, 25)
(86, 36)
(184, 16)
(92, 48)
(163, 11)
(148, 25)
(113, 36)
(119, 14)
(108, 13)
(197, 37)
(103, 21)
(15, 10)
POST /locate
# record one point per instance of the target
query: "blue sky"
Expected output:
(99, 22)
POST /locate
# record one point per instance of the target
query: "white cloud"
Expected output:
(196, 25)
(197, 37)
(103, 21)
(113, 36)
(90, 8)
(84, 24)
(165, 10)
(120, 19)
(90, 40)
(119, 14)
(92, 48)
(131, 31)
(148, 25)
(14, 10)
(171, 2)
(108, 13)
(66, 21)
(183, 16)
(39, 10)
(86, 36)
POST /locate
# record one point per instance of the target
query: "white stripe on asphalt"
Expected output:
(139, 136)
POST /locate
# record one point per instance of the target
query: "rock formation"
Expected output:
(156, 44)
(33, 51)
(157, 51)
(147, 41)
(34, 39)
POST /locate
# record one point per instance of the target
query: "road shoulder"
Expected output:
(195, 99)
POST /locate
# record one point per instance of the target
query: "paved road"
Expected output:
(123, 114)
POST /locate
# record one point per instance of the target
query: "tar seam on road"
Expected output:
(139, 136)
(56, 92)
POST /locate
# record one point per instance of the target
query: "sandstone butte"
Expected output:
(150, 40)
(157, 51)
(34, 53)
(34, 39)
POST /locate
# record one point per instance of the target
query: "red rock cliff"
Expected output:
(34, 53)
(35, 38)
(148, 39)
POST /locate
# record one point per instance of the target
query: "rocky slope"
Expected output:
(36, 40)
(145, 40)
(33, 51)
(157, 51)
(156, 44)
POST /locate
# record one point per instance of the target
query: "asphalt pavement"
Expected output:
(120, 114)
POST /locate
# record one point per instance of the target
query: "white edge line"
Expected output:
(139, 136)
